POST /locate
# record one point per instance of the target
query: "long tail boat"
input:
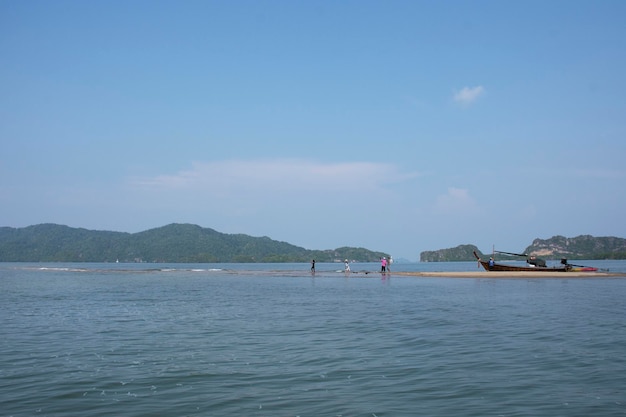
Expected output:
(534, 265)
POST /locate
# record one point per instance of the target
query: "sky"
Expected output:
(397, 126)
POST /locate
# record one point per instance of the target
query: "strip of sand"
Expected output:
(512, 274)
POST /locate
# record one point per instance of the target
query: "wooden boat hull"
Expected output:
(515, 268)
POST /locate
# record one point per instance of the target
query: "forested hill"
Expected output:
(171, 243)
(557, 247)
(459, 253)
(580, 247)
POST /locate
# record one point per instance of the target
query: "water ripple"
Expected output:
(79, 343)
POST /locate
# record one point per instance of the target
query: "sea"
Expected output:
(131, 340)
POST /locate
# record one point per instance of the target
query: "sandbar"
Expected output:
(512, 274)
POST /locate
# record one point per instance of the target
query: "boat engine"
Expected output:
(533, 260)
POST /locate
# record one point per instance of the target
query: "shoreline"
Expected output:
(481, 274)
(513, 274)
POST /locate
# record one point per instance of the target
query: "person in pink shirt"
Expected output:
(383, 265)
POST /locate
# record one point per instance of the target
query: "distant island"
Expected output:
(188, 243)
(174, 243)
(556, 247)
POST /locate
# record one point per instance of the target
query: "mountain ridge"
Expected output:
(175, 242)
(557, 247)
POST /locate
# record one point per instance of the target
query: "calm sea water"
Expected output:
(273, 340)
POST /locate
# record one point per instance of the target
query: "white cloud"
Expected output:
(468, 95)
(233, 176)
(457, 200)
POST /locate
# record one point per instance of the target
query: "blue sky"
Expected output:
(399, 126)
